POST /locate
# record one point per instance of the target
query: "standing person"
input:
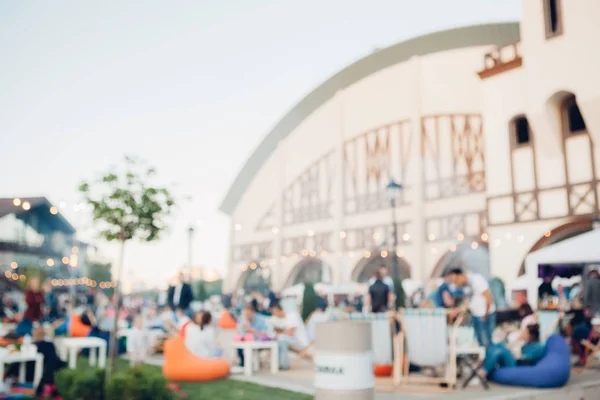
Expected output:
(182, 295)
(480, 302)
(443, 295)
(380, 295)
(51, 302)
(272, 296)
(545, 288)
(591, 294)
(34, 297)
(290, 336)
(138, 342)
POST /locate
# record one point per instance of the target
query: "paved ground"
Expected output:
(582, 386)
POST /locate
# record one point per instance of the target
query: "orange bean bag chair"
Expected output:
(182, 366)
(383, 370)
(78, 328)
(227, 321)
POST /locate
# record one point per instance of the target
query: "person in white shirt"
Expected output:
(480, 302)
(138, 343)
(201, 337)
(291, 335)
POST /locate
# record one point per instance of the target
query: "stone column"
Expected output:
(278, 231)
(339, 191)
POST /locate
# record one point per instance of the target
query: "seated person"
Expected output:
(52, 362)
(251, 323)
(527, 316)
(526, 351)
(291, 335)
(201, 337)
(182, 320)
(592, 340)
(153, 320)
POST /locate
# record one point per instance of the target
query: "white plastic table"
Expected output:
(248, 349)
(69, 348)
(22, 359)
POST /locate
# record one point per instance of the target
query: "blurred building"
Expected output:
(492, 130)
(35, 235)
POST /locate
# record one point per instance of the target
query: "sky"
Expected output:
(190, 86)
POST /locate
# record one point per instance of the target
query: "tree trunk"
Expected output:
(113, 352)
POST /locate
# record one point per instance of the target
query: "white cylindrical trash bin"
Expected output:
(344, 361)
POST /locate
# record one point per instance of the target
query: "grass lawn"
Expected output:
(220, 390)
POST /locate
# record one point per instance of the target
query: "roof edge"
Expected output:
(452, 39)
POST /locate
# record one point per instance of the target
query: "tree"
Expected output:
(399, 292)
(126, 206)
(201, 293)
(309, 300)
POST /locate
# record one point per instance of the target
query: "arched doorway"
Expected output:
(256, 277)
(473, 257)
(365, 268)
(310, 270)
(563, 232)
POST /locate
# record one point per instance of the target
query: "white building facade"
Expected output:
(492, 130)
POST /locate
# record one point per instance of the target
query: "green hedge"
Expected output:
(309, 300)
(133, 384)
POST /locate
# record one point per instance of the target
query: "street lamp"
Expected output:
(393, 189)
(191, 231)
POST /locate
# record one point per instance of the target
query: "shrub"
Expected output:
(77, 385)
(309, 300)
(132, 384)
(139, 384)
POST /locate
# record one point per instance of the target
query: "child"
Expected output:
(138, 343)
(592, 340)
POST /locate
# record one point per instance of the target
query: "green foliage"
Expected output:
(78, 385)
(30, 272)
(309, 300)
(139, 384)
(99, 272)
(399, 292)
(201, 293)
(127, 204)
(133, 384)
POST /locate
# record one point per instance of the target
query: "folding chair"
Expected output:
(549, 321)
(467, 347)
(425, 340)
(591, 349)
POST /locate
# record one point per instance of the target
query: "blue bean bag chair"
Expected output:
(552, 371)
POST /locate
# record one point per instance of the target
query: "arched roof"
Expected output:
(471, 36)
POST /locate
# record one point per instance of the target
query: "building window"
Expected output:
(520, 131)
(572, 119)
(553, 17)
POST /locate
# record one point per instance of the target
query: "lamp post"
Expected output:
(191, 231)
(393, 190)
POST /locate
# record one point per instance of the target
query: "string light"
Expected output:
(474, 245)
(244, 268)
(376, 236)
(323, 252)
(520, 238)
(65, 260)
(26, 206)
(50, 262)
(400, 254)
(406, 237)
(14, 265)
(384, 254)
(282, 258)
(7, 274)
(313, 253)
(22, 277)
(16, 202)
(304, 252)
(253, 266)
(431, 237)
(367, 254)
(460, 237)
(548, 234)
(53, 210)
(294, 254)
(453, 248)
(484, 237)
(75, 250)
(15, 276)
(342, 234)
(263, 264)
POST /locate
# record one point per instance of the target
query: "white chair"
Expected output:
(381, 332)
(426, 341)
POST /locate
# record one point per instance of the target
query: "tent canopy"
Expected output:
(581, 249)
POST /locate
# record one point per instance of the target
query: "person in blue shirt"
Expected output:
(527, 351)
(446, 294)
(253, 323)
